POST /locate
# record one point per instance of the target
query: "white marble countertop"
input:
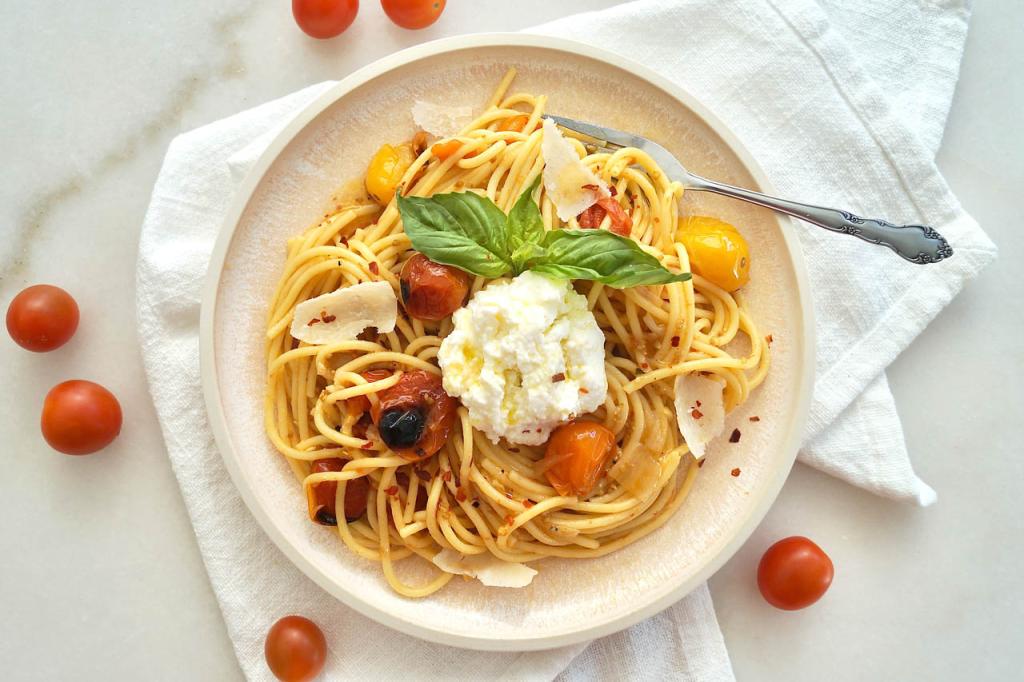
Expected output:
(101, 577)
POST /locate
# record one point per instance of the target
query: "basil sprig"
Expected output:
(471, 233)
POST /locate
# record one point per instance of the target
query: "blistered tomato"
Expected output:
(415, 415)
(432, 291)
(576, 455)
(717, 251)
(386, 170)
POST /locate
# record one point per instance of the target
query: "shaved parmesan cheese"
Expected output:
(440, 120)
(571, 185)
(638, 470)
(340, 315)
(700, 411)
(486, 568)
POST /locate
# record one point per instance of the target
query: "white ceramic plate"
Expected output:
(329, 143)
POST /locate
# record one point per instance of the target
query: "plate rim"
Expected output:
(211, 389)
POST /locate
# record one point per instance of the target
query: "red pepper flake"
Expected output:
(460, 495)
(423, 474)
(528, 503)
(612, 190)
(700, 462)
(315, 320)
(392, 491)
(696, 414)
(368, 445)
(508, 494)
(698, 403)
(513, 449)
(769, 339)
(374, 268)
(644, 366)
(328, 318)
(509, 519)
(539, 429)
(446, 476)
(402, 478)
(583, 391)
(343, 241)
(735, 436)
(675, 342)
(558, 377)
(755, 418)
(476, 504)
(735, 472)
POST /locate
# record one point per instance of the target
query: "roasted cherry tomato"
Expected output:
(432, 291)
(386, 169)
(295, 649)
(324, 18)
(794, 573)
(448, 148)
(80, 417)
(413, 14)
(415, 415)
(361, 403)
(576, 456)
(718, 252)
(514, 124)
(621, 222)
(322, 497)
(42, 318)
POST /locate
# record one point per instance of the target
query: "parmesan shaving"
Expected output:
(486, 568)
(700, 411)
(571, 185)
(441, 120)
(341, 315)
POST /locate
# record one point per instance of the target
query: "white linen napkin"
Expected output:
(783, 76)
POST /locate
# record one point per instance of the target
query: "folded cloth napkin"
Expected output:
(783, 76)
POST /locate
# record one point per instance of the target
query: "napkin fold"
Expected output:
(784, 76)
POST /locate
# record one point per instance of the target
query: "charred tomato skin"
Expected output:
(420, 392)
(322, 501)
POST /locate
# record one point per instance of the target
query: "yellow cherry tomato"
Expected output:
(717, 251)
(386, 169)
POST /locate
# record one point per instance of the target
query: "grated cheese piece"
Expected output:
(440, 120)
(700, 411)
(571, 185)
(341, 315)
(488, 569)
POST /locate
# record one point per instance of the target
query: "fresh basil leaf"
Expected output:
(443, 237)
(479, 219)
(601, 256)
(525, 224)
(525, 254)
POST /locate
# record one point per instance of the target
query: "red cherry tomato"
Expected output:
(413, 14)
(295, 649)
(42, 318)
(80, 417)
(324, 18)
(794, 573)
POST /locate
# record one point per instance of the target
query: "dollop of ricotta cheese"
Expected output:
(525, 356)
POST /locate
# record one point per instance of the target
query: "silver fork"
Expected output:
(917, 243)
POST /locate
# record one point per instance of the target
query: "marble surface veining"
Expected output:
(101, 577)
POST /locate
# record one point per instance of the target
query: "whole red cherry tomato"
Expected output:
(80, 417)
(324, 18)
(295, 649)
(42, 318)
(413, 14)
(794, 573)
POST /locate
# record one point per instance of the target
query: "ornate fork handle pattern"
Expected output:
(916, 243)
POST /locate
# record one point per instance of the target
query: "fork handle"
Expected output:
(917, 243)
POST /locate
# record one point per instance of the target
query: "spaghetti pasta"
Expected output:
(476, 497)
